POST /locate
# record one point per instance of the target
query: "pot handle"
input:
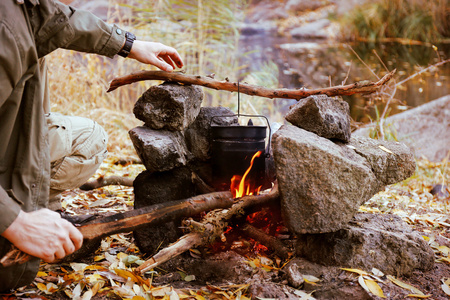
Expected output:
(267, 154)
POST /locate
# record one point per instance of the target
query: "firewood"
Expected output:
(134, 219)
(104, 181)
(365, 87)
(267, 240)
(206, 231)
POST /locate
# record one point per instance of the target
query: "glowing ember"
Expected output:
(239, 186)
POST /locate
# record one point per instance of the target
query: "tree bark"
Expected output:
(365, 87)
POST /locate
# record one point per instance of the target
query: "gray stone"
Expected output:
(425, 129)
(302, 5)
(154, 188)
(370, 241)
(325, 116)
(315, 29)
(198, 133)
(331, 285)
(159, 150)
(169, 106)
(391, 162)
(322, 183)
(294, 276)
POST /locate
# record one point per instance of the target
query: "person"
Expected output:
(40, 151)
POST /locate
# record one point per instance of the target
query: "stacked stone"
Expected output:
(325, 175)
(172, 143)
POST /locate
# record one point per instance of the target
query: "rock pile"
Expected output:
(173, 143)
(324, 176)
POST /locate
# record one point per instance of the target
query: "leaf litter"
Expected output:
(109, 273)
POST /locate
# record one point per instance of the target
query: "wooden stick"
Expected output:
(365, 87)
(134, 219)
(104, 181)
(205, 232)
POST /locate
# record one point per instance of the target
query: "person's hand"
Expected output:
(44, 234)
(164, 57)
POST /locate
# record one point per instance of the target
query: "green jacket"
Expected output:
(28, 32)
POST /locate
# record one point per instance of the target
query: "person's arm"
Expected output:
(43, 234)
(87, 33)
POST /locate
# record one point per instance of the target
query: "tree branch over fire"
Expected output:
(364, 87)
(211, 227)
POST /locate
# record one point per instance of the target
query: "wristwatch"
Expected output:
(130, 38)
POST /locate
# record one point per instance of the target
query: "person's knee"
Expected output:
(89, 149)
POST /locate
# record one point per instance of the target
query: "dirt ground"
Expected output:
(245, 270)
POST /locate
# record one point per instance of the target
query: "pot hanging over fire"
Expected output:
(233, 148)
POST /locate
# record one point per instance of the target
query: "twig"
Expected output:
(104, 181)
(365, 87)
(422, 71)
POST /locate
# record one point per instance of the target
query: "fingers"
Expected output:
(161, 56)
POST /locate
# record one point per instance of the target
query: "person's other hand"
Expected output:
(44, 234)
(164, 57)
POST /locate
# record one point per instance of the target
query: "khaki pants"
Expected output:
(77, 148)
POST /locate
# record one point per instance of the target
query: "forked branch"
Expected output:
(364, 87)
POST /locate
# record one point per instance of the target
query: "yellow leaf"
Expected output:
(138, 298)
(374, 288)
(126, 274)
(358, 271)
(41, 274)
(99, 257)
(385, 149)
(405, 285)
(199, 297)
(419, 296)
(42, 287)
(310, 279)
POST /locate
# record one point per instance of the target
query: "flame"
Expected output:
(239, 187)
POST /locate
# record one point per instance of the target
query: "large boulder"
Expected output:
(425, 129)
(323, 183)
(159, 150)
(370, 241)
(160, 187)
(325, 116)
(169, 106)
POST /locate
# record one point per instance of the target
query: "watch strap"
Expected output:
(129, 39)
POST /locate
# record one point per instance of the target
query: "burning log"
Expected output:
(267, 240)
(206, 231)
(131, 220)
(365, 87)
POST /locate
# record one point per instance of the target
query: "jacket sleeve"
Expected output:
(10, 72)
(76, 29)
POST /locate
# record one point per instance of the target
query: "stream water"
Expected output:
(316, 64)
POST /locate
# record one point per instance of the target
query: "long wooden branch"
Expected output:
(106, 180)
(365, 87)
(134, 219)
(206, 231)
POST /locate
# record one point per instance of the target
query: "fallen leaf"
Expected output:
(385, 149)
(446, 286)
(358, 271)
(418, 296)
(405, 285)
(374, 288)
